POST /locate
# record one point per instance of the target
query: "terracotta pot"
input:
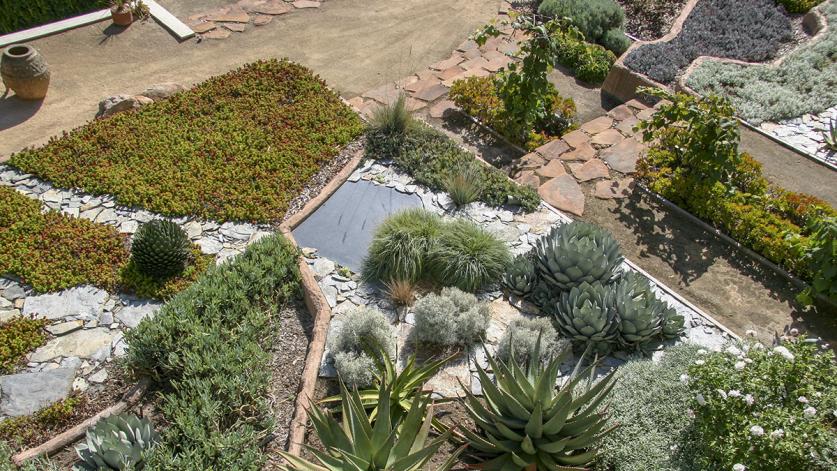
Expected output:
(25, 71)
(121, 17)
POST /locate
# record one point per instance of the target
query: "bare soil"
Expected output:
(650, 19)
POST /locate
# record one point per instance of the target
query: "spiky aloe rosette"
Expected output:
(526, 423)
(160, 249)
(576, 253)
(116, 442)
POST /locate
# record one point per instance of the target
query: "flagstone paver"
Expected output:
(608, 137)
(623, 156)
(597, 125)
(306, 4)
(553, 149)
(590, 170)
(551, 170)
(614, 189)
(563, 193)
(583, 152)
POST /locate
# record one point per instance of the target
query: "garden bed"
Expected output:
(649, 20)
(27, 14)
(239, 146)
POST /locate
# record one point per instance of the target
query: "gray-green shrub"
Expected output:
(401, 246)
(451, 318)
(208, 350)
(596, 19)
(468, 257)
(649, 403)
(805, 82)
(522, 336)
(362, 331)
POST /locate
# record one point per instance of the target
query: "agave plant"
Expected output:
(360, 442)
(528, 425)
(830, 136)
(160, 248)
(585, 317)
(576, 253)
(520, 277)
(672, 323)
(638, 310)
(116, 442)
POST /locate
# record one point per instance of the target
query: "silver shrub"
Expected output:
(450, 318)
(362, 331)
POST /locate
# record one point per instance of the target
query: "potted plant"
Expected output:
(121, 11)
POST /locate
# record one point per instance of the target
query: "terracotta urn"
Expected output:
(121, 16)
(25, 71)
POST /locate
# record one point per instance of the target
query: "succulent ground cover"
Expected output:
(239, 146)
(748, 30)
(18, 337)
(805, 81)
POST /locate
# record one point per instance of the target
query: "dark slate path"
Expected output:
(341, 229)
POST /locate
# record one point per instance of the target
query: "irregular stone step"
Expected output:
(133, 313)
(86, 302)
(563, 193)
(623, 156)
(25, 393)
(81, 343)
(589, 170)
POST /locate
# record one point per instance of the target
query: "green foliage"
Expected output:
(520, 278)
(18, 337)
(528, 423)
(822, 258)
(589, 62)
(117, 442)
(766, 409)
(145, 286)
(600, 21)
(642, 317)
(802, 83)
(53, 251)
(465, 185)
(391, 119)
(239, 146)
(360, 442)
(431, 158)
(798, 6)
(728, 189)
(830, 137)
(451, 318)
(402, 245)
(29, 430)
(467, 256)
(532, 112)
(23, 15)
(362, 331)
(160, 249)
(584, 316)
(576, 253)
(208, 351)
(520, 341)
(648, 408)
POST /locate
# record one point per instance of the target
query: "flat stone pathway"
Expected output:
(243, 16)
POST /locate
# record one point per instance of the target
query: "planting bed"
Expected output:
(237, 147)
(23, 15)
(650, 19)
(748, 30)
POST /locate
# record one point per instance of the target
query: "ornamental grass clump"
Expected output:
(452, 318)
(521, 338)
(527, 423)
(360, 337)
(401, 247)
(391, 119)
(467, 256)
(760, 408)
(464, 185)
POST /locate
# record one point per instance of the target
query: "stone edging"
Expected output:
(69, 436)
(317, 306)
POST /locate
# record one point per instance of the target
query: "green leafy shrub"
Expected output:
(116, 442)
(362, 332)
(23, 15)
(208, 351)
(520, 278)
(766, 408)
(521, 341)
(803, 83)
(239, 146)
(694, 162)
(600, 21)
(589, 62)
(431, 158)
(402, 245)
(160, 249)
(576, 253)
(528, 423)
(648, 407)
(467, 256)
(451, 318)
(18, 337)
(822, 258)
(53, 251)
(798, 6)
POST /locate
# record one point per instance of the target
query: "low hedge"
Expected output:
(239, 146)
(208, 351)
(748, 30)
(430, 157)
(588, 62)
(23, 14)
(601, 21)
(803, 83)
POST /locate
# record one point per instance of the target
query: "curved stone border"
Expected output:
(69, 436)
(317, 306)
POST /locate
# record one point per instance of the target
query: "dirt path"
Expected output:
(353, 44)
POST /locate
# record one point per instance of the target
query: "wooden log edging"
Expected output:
(131, 397)
(317, 306)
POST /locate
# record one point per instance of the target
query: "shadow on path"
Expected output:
(14, 111)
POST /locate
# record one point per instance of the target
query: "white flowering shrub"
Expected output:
(764, 409)
(450, 318)
(363, 331)
(650, 406)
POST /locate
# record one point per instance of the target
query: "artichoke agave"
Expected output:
(576, 253)
(520, 277)
(585, 317)
(160, 249)
(672, 322)
(527, 424)
(359, 443)
(638, 310)
(116, 442)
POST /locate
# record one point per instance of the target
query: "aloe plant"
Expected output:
(527, 424)
(830, 136)
(359, 442)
